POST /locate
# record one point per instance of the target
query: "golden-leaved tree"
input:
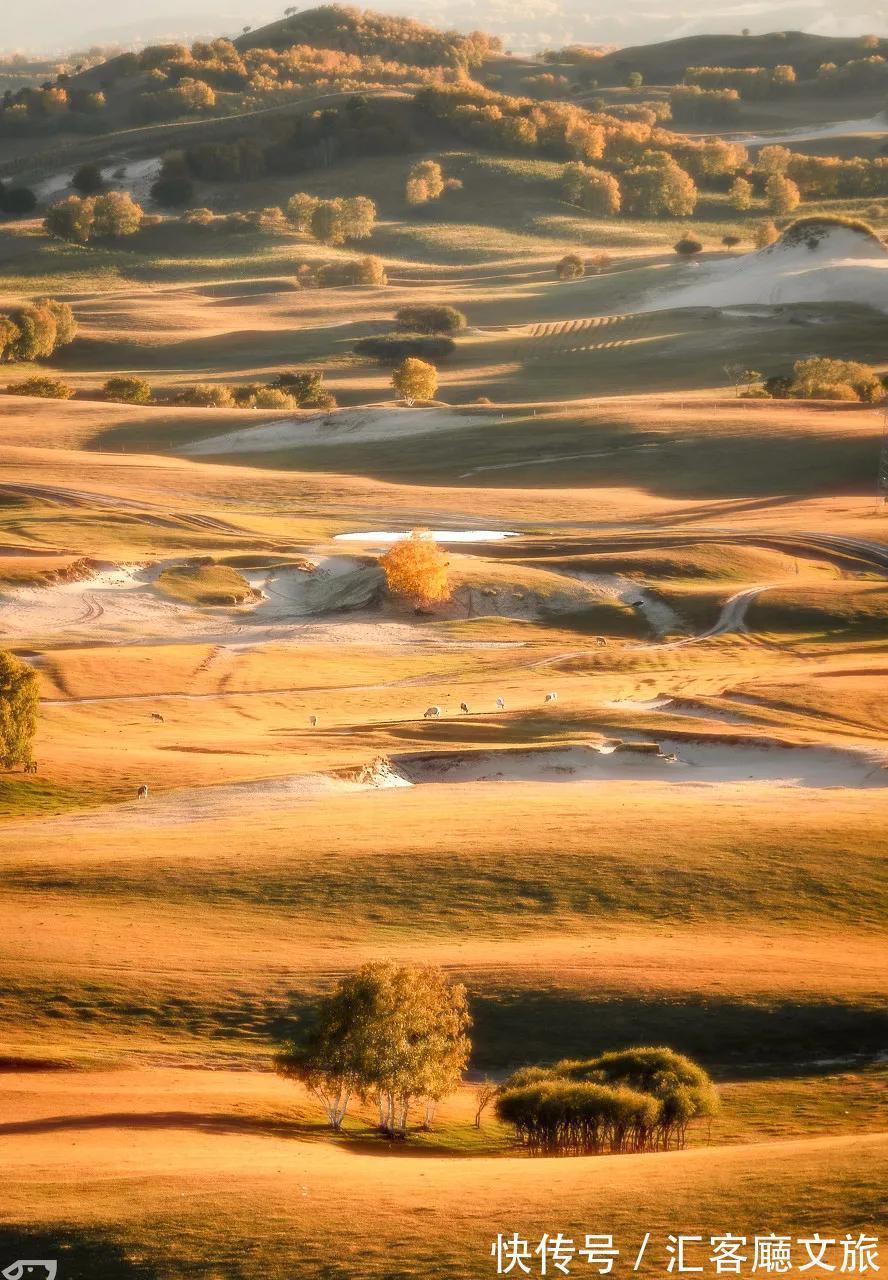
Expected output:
(416, 569)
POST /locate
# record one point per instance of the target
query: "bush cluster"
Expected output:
(35, 332)
(640, 1099)
(80, 219)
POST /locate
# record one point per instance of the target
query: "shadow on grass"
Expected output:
(729, 1037)
(80, 1256)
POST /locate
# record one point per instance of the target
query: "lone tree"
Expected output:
(416, 569)
(415, 380)
(19, 698)
(389, 1034)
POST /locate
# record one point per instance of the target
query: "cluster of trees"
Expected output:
(303, 390)
(417, 570)
(81, 219)
(853, 76)
(656, 187)
(692, 104)
(334, 47)
(390, 1035)
(52, 106)
(365, 32)
(19, 703)
(430, 318)
(632, 1100)
(333, 222)
(750, 83)
(616, 165)
(824, 378)
(36, 331)
(44, 388)
(358, 127)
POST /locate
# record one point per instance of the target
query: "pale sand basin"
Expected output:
(678, 761)
(342, 426)
(844, 266)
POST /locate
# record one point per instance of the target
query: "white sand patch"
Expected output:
(843, 266)
(440, 535)
(678, 762)
(808, 133)
(136, 177)
(660, 617)
(343, 426)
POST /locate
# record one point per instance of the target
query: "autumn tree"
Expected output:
(389, 1034)
(115, 215)
(70, 219)
(823, 378)
(19, 701)
(659, 187)
(415, 380)
(425, 182)
(765, 233)
(741, 194)
(782, 194)
(416, 569)
(594, 190)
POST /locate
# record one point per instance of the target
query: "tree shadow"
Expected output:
(80, 1255)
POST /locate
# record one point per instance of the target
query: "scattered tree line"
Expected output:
(749, 83)
(631, 1100)
(302, 390)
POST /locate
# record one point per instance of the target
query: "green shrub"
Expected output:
(45, 388)
(128, 390)
(418, 318)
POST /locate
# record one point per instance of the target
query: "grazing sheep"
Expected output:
(432, 713)
(155, 715)
(313, 721)
(142, 793)
(464, 706)
(500, 704)
(551, 697)
(601, 642)
(31, 766)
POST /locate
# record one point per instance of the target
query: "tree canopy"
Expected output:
(19, 700)
(389, 1034)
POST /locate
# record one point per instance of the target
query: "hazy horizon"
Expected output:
(40, 28)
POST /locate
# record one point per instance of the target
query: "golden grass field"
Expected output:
(731, 554)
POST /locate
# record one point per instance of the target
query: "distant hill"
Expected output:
(667, 61)
(370, 34)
